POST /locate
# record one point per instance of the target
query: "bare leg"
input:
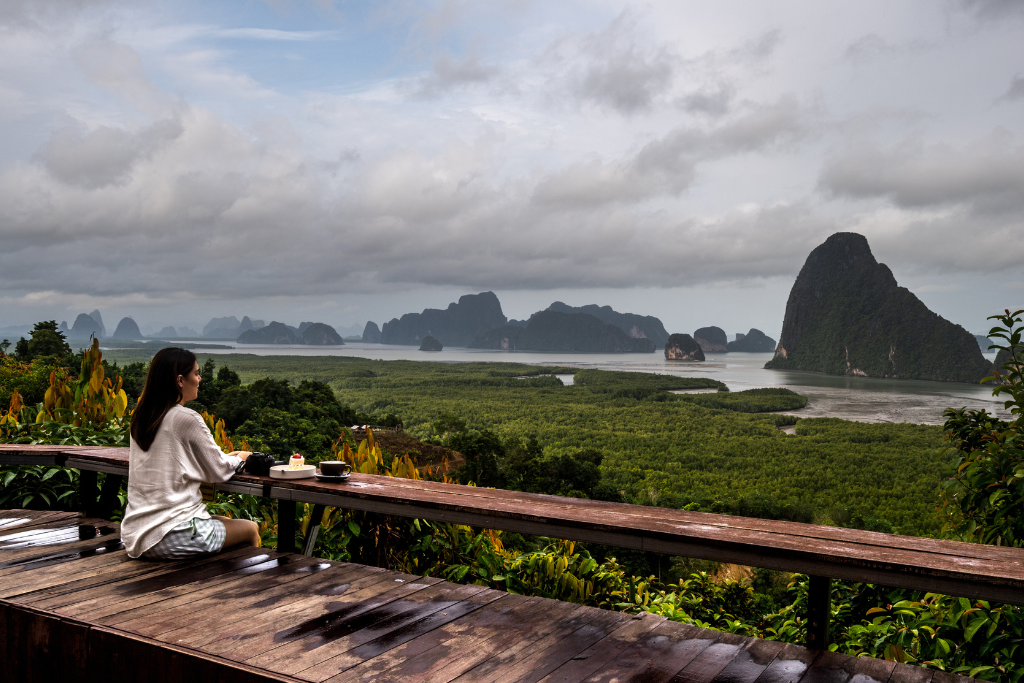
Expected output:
(240, 532)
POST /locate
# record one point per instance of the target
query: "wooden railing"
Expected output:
(824, 553)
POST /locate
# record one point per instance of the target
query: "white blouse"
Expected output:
(163, 482)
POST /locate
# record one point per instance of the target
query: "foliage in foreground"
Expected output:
(983, 500)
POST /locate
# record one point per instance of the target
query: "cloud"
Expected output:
(954, 242)
(78, 302)
(617, 68)
(527, 249)
(1016, 89)
(450, 74)
(209, 210)
(564, 147)
(930, 289)
(993, 9)
(714, 100)
(118, 68)
(621, 72)
(105, 155)
(666, 166)
(873, 46)
(987, 174)
(38, 14)
(275, 34)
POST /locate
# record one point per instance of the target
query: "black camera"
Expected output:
(258, 464)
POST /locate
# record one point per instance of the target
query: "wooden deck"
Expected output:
(963, 569)
(74, 607)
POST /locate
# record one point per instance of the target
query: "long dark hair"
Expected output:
(161, 392)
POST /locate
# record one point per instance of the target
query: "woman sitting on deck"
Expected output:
(172, 452)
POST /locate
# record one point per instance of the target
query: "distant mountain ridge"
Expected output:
(634, 325)
(846, 315)
(556, 332)
(315, 334)
(95, 315)
(711, 339)
(85, 326)
(127, 329)
(371, 333)
(455, 326)
(754, 341)
(230, 327)
(477, 321)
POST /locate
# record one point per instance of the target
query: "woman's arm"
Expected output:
(214, 465)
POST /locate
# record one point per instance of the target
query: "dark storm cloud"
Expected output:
(962, 206)
(210, 211)
(987, 175)
(653, 148)
(957, 241)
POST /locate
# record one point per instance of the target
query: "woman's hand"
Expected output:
(241, 454)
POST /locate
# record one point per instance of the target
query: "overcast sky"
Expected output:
(343, 161)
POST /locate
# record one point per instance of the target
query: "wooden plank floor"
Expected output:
(74, 607)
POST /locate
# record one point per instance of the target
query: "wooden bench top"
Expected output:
(961, 569)
(80, 610)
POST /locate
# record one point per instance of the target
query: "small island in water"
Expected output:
(430, 344)
(683, 347)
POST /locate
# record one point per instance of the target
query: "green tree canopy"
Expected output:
(44, 340)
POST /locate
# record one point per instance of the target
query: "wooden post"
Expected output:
(88, 490)
(314, 529)
(286, 526)
(819, 611)
(108, 495)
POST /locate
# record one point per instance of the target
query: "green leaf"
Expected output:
(973, 628)
(353, 527)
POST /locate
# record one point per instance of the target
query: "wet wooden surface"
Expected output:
(78, 609)
(962, 569)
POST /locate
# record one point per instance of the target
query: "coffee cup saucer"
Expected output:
(332, 478)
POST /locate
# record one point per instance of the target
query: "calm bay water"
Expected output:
(851, 398)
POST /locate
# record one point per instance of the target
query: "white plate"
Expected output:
(286, 472)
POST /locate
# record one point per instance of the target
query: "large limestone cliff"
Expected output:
(846, 315)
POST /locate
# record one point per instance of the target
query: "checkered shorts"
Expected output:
(194, 537)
